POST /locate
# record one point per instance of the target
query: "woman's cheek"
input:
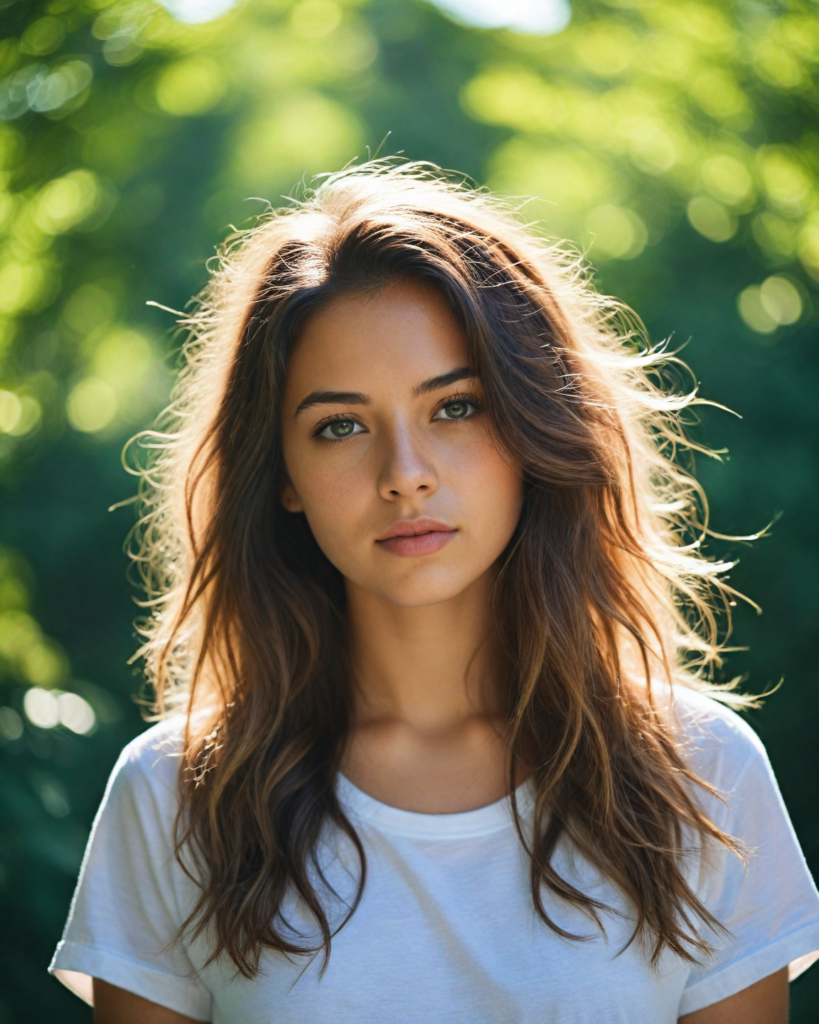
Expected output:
(491, 486)
(334, 501)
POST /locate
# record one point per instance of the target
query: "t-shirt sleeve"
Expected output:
(769, 905)
(128, 904)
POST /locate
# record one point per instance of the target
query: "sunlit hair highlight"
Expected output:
(603, 592)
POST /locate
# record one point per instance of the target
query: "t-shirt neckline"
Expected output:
(481, 821)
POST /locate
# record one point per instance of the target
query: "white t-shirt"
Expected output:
(446, 930)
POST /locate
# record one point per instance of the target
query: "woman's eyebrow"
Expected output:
(332, 398)
(443, 380)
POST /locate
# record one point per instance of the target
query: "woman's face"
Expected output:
(388, 451)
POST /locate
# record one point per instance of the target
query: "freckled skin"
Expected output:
(402, 462)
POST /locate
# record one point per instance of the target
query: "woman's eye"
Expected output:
(339, 429)
(460, 409)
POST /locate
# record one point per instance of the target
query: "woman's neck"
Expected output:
(428, 732)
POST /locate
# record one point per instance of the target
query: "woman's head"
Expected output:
(396, 348)
(384, 280)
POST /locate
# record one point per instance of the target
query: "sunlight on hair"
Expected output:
(534, 17)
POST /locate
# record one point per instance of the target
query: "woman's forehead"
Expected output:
(403, 334)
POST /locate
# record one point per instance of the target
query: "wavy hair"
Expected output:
(602, 591)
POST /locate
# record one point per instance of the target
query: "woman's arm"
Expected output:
(113, 1005)
(765, 1002)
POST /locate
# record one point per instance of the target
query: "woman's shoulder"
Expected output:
(148, 766)
(715, 740)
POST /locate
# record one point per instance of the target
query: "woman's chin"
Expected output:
(419, 589)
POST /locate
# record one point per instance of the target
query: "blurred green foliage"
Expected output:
(675, 143)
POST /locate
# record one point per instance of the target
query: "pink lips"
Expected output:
(410, 537)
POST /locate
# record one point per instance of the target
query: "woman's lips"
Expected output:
(420, 544)
(410, 537)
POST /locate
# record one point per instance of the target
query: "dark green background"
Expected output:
(618, 123)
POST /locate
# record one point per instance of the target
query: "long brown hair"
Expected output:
(602, 590)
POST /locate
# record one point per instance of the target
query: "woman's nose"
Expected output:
(407, 468)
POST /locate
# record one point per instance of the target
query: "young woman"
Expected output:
(430, 609)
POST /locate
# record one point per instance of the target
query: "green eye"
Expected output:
(457, 410)
(338, 430)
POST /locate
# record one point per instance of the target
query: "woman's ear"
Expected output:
(288, 496)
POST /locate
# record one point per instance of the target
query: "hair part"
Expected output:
(603, 589)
